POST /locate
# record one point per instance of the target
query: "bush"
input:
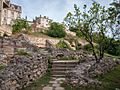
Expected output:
(20, 25)
(78, 46)
(114, 49)
(79, 34)
(73, 29)
(87, 47)
(56, 30)
(62, 44)
(2, 66)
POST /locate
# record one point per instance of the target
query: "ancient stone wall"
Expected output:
(84, 74)
(22, 70)
(10, 45)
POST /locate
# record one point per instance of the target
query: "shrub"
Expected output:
(20, 25)
(62, 44)
(114, 49)
(73, 29)
(78, 46)
(79, 34)
(87, 47)
(56, 30)
(2, 66)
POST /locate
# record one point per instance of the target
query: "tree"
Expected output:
(97, 19)
(19, 26)
(56, 30)
(116, 4)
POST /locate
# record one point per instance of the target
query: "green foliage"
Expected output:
(38, 84)
(62, 44)
(87, 47)
(19, 25)
(56, 30)
(114, 48)
(97, 19)
(111, 79)
(73, 29)
(22, 53)
(79, 34)
(2, 66)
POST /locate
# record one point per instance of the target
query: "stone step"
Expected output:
(59, 76)
(61, 69)
(65, 61)
(63, 65)
(59, 72)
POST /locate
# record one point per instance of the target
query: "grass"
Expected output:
(116, 57)
(40, 83)
(2, 67)
(23, 53)
(43, 35)
(110, 81)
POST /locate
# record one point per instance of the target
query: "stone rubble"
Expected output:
(21, 71)
(85, 72)
(10, 45)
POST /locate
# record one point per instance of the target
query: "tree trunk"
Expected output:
(94, 53)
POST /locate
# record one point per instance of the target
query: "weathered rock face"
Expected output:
(84, 73)
(21, 71)
(10, 45)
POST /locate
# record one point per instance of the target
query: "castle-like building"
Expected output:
(40, 23)
(9, 12)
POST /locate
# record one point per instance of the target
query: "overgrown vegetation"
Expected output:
(2, 66)
(22, 53)
(98, 20)
(21, 25)
(111, 79)
(114, 48)
(40, 83)
(62, 44)
(56, 30)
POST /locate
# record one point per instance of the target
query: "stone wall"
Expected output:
(84, 74)
(10, 45)
(21, 71)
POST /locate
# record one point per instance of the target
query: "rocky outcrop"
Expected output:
(21, 71)
(84, 74)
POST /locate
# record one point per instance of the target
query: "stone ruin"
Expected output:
(84, 74)
(10, 45)
(21, 71)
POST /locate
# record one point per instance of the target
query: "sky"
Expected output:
(54, 9)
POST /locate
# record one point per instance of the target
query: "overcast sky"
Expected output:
(54, 9)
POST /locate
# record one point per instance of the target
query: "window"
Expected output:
(5, 13)
(12, 14)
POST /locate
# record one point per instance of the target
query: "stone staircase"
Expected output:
(59, 68)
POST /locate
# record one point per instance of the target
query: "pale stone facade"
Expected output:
(41, 22)
(8, 12)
